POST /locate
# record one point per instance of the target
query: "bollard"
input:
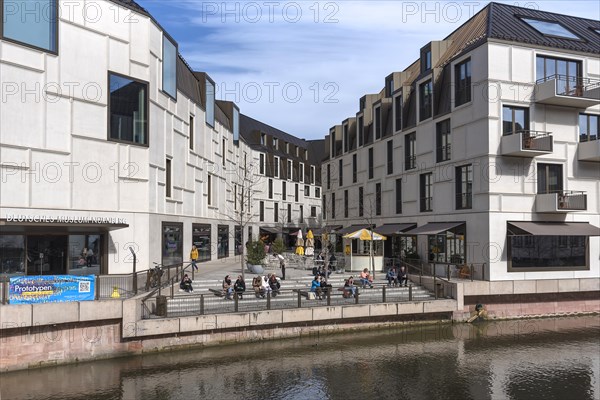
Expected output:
(235, 302)
(410, 293)
(383, 297)
(268, 300)
(201, 304)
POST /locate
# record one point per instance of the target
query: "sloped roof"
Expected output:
(249, 125)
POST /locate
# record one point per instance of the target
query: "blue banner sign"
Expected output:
(51, 288)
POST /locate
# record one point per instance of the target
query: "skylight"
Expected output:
(551, 28)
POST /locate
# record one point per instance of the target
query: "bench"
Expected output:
(347, 293)
(217, 292)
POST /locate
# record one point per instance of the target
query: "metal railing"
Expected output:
(204, 304)
(571, 200)
(169, 279)
(446, 271)
(444, 153)
(567, 85)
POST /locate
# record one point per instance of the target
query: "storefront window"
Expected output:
(547, 251)
(12, 255)
(201, 238)
(172, 244)
(447, 247)
(362, 247)
(85, 254)
(223, 241)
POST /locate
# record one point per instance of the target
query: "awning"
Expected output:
(552, 228)
(393, 229)
(350, 229)
(433, 228)
(270, 229)
(326, 229)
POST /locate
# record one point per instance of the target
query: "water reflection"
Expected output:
(549, 359)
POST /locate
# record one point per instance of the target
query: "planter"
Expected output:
(255, 269)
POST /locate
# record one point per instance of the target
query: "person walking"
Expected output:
(194, 257)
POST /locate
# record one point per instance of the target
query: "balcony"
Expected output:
(561, 201)
(589, 151)
(568, 91)
(526, 144)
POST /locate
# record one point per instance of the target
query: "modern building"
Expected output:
(109, 141)
(483, 151)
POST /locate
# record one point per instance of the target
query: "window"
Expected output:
(549, 178)
(172, 243)
(333, 148)
(346, 138)
(354, 169)
(237, 232)
(464, 187)
(275, 212)
(31, 22)
(128, 106)
(168, 178)
(313, 175)
(275, 143)
(296, 192)
(328, 176)
(236, 124)
(289, 169)
(389, 86)
(283, 190)
(276, 166)
(302, 172)
(360, 130)
(261, 163)
(340, 173)
(209, 191)
(169, 64)
(306, 191)
(235, 196)
(270, 188)
(210, 103)
(378, 199)
(301, 219)
(398, 196)
(289, 213)
(462, 83)
(361, 197)
(588, 127)
(324, 207)
(545, 252)
(444, 144)
(410, 151)
(224, 151)
(261, 211)
(425, 100)
(514, 120)
(191, 132)
(201, 239)
(567, 74)
(263, 139)
(317, 192)
(332, 205)
(345, 203)
(377, 122)
(371, 163)
(390, 157)
(550, 28)
(425, 191)
(313, 212)
(426, 59)
(222, 241)
(398, 113)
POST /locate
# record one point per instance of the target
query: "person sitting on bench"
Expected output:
(392, 276)
(227, 287)
(266, 287)
(274, 284)
(239, 286)
(365, 278)
(316, 287)
(186, 284)
(349, 286)
(257, 286)
(403, 276)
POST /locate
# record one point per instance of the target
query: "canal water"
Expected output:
(546, 359)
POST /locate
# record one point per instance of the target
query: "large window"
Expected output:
(398, 113)
(425, 100)
(566, 72)
(270, 188)
(328, 176)
(549, 178)
(296, 191)
(410, 151)
(541, 252)
(290, 168)
(169, 67)
(201, 239)
(12, 254)
(448, 247)
(398, 196)
(345, 203)
(426, 59)
(283, 190)
(276, 167)
(289, 213)
(317, 192)
(377, 125)
(168, 184)
(275, 212)
(210, 103)
(209, 200)
(371, 163)
(514, 119)
(346, 138)
(589, 125)
(425, 192)
(390, 157)
(128, 106)
(462, 82)
(360, 130)
(332, 205)
(313, 211)
(172, 243)
(361, 204)
(191, 132)
(444, 144)
(33, 23)
(340, 173)
(223, 241)
(261, 163)
(306, 191)
(378, 199)
(464, 187)
(354, 169)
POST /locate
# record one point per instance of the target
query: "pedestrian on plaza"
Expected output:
(282, 266)
(194, 257)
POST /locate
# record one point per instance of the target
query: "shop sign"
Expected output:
(64, 219)
(51, 288)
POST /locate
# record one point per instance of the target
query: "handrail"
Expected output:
(170, 280)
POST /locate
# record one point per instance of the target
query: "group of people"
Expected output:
(239, 287)
(397, 278)
(86, 258)
(263, 285)
(319, 286)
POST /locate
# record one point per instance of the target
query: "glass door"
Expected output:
(47, 255)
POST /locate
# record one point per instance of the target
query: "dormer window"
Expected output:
(550, 28)
(275, 143)
(263, 139)
(426, 59)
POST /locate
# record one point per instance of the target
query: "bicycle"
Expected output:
(153, 276)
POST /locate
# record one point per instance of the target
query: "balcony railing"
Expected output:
(426, 203)
(410, 163)
(464, 200)
(588, 150)
(570, 91)
(444, 153)
(561, 201)
(527, 143)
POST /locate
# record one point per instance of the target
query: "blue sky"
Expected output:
(301, 66)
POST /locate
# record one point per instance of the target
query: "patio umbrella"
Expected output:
(366, 235)
(310, 244)
(300, 244)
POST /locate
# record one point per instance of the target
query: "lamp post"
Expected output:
(135, 285)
